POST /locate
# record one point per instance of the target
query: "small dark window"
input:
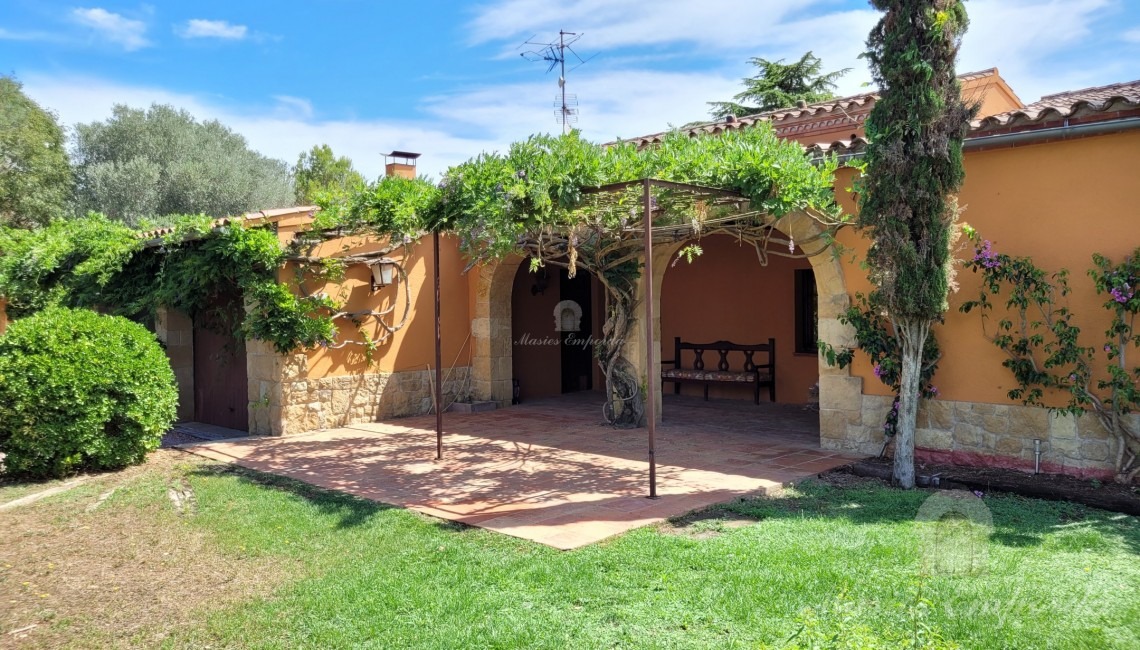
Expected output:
(807, 331)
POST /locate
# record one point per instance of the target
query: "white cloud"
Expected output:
(200, 28)
(127, 32)
(1029, 40)
(715, 24)
(9, 35)
(1020, 37)
(294, 106)
(612, 103)
(270, 129)
(1132, 35)
(453, 127)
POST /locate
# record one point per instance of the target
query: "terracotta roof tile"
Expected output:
(1098, 103)
(788, 122)
(800, 122)
(263, 215)
(980, 74)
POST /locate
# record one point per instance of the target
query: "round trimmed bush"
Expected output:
(79, 390)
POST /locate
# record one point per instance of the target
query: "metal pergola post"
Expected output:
(438, 356)
(650, 372)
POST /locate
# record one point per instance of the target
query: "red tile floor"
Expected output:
(549, 470)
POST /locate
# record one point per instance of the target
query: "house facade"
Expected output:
(1053, 180)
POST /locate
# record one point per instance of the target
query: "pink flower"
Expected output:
(986, 256)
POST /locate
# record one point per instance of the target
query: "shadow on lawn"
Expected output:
(350, 510)
(1017, 521)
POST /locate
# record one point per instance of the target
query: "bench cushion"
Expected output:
(710, 375)
(716, 375)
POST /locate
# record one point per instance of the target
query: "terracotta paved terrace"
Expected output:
(550, 471)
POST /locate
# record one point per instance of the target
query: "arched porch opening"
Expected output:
(840, 394)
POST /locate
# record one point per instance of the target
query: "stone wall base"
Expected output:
(314, 404)
(980, 434)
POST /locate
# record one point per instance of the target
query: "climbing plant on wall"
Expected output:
(98, 263)
(875, 337)
(1043, 345)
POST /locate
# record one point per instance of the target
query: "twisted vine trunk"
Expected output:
(912, 337)
(623, 388)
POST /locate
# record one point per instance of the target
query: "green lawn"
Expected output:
(821, 560)
(1054, 575)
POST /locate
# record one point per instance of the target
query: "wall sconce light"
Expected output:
(383, 273)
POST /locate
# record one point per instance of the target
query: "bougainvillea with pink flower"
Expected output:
(876, 338)
(1043, 344)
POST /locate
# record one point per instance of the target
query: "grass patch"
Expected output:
(345, 572)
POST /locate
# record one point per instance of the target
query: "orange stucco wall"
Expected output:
(1058, 203)
(726, 294)
(413, 346)
(991, 94)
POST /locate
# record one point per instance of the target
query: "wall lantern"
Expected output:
(383, 273)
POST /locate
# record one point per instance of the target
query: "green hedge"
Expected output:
(81, 391)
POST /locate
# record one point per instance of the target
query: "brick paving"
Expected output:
(550, 471)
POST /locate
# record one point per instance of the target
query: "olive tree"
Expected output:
(161, 161)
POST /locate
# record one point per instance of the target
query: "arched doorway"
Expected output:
(553, 318)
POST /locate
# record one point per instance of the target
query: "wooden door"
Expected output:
(220, 379)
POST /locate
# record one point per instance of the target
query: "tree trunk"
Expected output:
(912, 337)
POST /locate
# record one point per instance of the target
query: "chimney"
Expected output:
(400, 163)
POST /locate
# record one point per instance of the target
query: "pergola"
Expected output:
(731, 211)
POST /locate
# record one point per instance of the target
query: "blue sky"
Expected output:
(446, 78)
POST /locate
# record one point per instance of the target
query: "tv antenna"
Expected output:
(554, 54)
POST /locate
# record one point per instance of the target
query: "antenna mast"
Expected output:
(554, 53)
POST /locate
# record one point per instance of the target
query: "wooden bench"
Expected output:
(752, 373)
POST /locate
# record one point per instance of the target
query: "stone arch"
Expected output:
(840, 394)
(491, 353)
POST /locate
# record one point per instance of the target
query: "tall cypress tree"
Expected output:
(914, 169)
